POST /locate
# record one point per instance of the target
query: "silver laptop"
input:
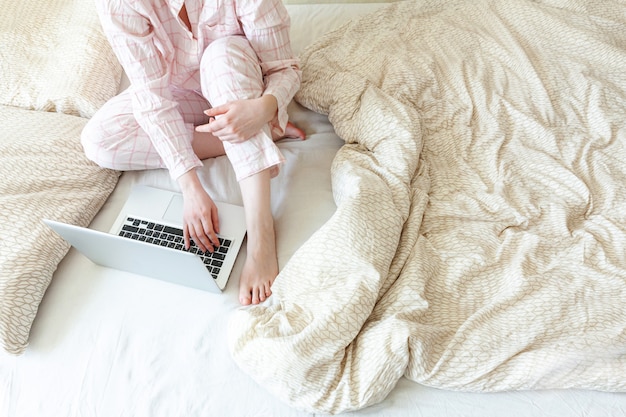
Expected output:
(147, 239)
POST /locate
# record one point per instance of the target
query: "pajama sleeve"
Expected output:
(132, 38)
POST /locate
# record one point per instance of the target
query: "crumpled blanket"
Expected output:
(479, 241)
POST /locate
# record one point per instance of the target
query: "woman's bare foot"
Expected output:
(261, 266)
(291, 132)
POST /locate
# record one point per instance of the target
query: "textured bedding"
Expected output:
(479, 238)
(44, 175)
(54, 57)
(55, 65)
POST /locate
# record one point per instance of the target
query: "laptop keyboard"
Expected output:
(172, 237)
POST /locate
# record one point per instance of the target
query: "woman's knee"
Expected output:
(108, 128)
(234, 59)
(103, 136)
(225, 49)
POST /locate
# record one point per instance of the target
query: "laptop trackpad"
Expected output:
(174, 211)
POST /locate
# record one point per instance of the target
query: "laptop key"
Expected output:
(173, 230)
(131, 229)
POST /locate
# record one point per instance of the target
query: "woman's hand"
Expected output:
(200, 220)
(239, 120)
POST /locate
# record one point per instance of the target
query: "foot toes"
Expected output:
(245, 299)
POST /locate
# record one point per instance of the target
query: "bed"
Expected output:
(451, 236)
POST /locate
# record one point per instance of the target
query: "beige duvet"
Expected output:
(479, 241)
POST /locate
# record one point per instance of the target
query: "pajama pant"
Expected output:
(229, 70)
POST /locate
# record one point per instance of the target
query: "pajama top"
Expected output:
(157, 51)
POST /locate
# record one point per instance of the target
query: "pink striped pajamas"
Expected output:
(236, 50)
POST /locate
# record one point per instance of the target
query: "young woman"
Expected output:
(208, 78)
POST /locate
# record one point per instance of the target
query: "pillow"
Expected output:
(55, 57)
(45, 175)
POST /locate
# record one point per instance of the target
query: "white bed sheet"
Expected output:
(108, 343)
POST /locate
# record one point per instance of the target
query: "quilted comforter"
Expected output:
(479, 241)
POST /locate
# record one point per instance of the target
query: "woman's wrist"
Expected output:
(189, 181)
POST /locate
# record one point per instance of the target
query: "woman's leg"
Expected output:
(230, 71)
(113, 139)
(261, 266)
